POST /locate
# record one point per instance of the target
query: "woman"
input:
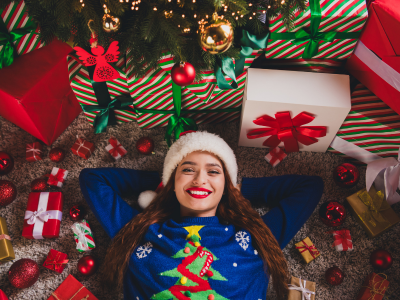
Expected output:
(199, 238)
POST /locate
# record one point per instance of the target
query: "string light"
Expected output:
(179, 25)
(269, 6)
(222, 17)
(137, 8)
(83, 4)
(207, 16)
(254, 13)
(250, 4)
(195, 15)
(225, 9)
(155, 8)
(127, 1)
(263, 11)
(283, 1)
(241, 16)
(183, 16)
(233, 14)
(237, 17)
(250, 18)
(194, 1)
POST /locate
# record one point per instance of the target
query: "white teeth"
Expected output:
(198, 193)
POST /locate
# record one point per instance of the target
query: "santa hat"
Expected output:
(187, 143)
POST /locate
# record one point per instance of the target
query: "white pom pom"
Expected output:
(145, 198)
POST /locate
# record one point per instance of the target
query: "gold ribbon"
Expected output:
(375, 205)
(72, 298)
(374, 289)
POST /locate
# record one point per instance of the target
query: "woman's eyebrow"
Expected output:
(194, 164)
(213, 165)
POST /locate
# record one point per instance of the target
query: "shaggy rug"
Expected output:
(355, 264)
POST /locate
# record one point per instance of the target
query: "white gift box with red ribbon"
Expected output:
(116, 150)
(275, 156)
(57, 177)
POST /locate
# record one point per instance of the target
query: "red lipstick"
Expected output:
(198, 193)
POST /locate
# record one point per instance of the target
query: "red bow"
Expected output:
(59, 177)
(117, 148)
(342, 237)
(287, 130)
(311, 249)
(55, 262)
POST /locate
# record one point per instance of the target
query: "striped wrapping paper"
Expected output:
(83, 236)
(371, 125)
(337, 15)
(14, 17)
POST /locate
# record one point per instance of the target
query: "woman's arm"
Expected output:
(103, 189)
(292, 199)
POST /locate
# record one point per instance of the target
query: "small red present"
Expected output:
(43, 215)
(57, 177)
(56, 261)
(34, 151)
(82, 148)
(374, 287)
(115, 148)
(275, 156)
(343, 240)
(71, 289)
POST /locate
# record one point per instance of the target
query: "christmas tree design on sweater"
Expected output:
(193, 272)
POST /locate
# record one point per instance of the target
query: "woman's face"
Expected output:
(199, 184)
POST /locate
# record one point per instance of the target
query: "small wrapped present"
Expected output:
(71, 289)
(275, 156)
(343, 240)
(300, 289)
(116, 150)
(34, 151)
(43, 215)
(307, 250)
(83, 236)
(372, 212)
(82, 148)
(56, 261)
(6, 248)
(374, 287)
(57, 177)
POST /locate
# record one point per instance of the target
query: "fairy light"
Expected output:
(155, 8)
(83, 4)
(179, 25)
(241, 16)
(183, 16)
(250, 4)
(195, 16)
(254, 13)
(250, 18)
(233, 13)
(237, 17)
(137, 8)
(263, 11)
(132, 8)
(269, 6)
(222, 17)
(283, 1)
(127, 1)
(206, 16)
(194, 1)
(238, 11)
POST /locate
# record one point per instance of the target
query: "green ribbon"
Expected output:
(249, 42)
(311, 35)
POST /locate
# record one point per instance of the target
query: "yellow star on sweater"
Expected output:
(193, 230)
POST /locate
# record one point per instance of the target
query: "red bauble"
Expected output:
(23, 273)
(381, 259)
(39, 185)
(3, 296)
(145, 145)
(346, 175)
(334, 276)
(87, 265)
(183, 74)
(8, 192)
(332, 213)
(57, 154)
(77, 212)
(6, 163)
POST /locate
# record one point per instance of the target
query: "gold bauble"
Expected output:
(216, 37)
(110, 23)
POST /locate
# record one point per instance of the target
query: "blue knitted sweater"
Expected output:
(194, 257)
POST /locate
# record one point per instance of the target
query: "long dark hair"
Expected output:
(233, 208)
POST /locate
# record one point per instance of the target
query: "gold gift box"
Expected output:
(305, 248)
(6, 248)
(372, 212)
(297, 295)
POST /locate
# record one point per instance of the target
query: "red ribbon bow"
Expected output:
(342, 237)
(55, 262)
(287, 130)
(311, 249)
(117, 148)
(59, 177)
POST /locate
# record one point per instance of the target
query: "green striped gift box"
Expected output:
(337, 15)
(14, 17)
(83, 236)
(371, 125)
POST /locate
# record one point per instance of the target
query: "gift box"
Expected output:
(343, 240)
(376, 59)
(34, 151)
(292, 113)
(43, 215)
(83, 236)
(6, 248)
(372, 211)
(374, 287)
(325, 29)
(71, 289)
(116, 150)
(300, 289)
(56, 261)
(57, 177)
(82, 148)
(275, 156)
(307, 250)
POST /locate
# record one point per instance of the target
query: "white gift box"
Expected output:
(268, 92)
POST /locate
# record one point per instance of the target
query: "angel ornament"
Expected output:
(103, 70)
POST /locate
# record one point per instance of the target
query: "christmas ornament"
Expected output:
(3, 296)
(6, 163)
(57, 154)
(110, 23)
(346, 175)
(334, 276)
(332, 213)
(87, 265)
(8, 192)
(381, 259)
(23, 273)
(39, 185)
(145, 145)
(183, 74)
(217, 37)
(77, 212)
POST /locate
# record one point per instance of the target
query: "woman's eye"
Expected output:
(214, 172)
(187, 170)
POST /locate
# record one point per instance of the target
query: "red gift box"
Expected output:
(71, 289)
(116, 150)
(374, 287)
(57, 177)
(376, 59)
(35, 93)
(82, 148)
(34, 151)
(56, 261)
(43, 215)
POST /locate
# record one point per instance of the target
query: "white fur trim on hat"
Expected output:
(145, 198)
(199, 141)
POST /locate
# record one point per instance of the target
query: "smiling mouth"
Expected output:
(198, 194)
